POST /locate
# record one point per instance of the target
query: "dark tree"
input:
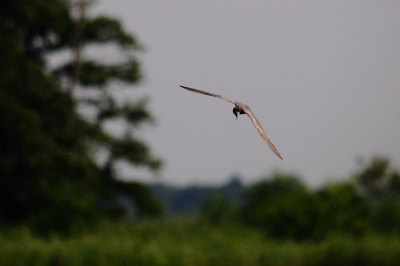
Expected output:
(85, 74)
(47, 172)
(379, 180)
(341, 209)
(381, 183)
(281, 206)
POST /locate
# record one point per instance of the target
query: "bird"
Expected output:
(241, 109)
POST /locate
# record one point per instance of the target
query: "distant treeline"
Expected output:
(368, 202)
(188, 201)
(283, 207)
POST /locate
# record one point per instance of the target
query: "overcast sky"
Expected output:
(322, 77)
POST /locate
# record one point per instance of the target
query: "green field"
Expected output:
(183, 242)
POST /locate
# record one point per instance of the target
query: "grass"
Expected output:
(183, 242)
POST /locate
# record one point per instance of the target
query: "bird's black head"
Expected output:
(236, 111)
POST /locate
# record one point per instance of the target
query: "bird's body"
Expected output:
(241, 108)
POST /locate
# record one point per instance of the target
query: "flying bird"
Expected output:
(240, 109)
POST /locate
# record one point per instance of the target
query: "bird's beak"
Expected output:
(237, 114)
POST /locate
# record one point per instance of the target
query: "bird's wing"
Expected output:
(209, 94)
(258, 126)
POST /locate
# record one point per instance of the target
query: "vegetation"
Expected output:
(48, 175)
(183, 242)
(285, 208)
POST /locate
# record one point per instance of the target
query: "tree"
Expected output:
(219, 209)
(381, 183)
(379, 180)
(91, 74)
(47, 171)
(281, 206)
(341, 209)
(46, 174)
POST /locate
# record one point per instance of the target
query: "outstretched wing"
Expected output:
(209, 94)
(258, 126)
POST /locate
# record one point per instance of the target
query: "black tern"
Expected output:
(240, 109)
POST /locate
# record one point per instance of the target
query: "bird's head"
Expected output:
(236, 111)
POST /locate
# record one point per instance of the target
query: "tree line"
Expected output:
(282, 207)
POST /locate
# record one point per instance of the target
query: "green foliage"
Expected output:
(386, 217)
(341, 209)
(93, 74)
(43, 152)
(48, 177)
(181, 242)
(282, 207)
(35, 25)
(379, 180)
(189, 200)
(90, 73)
(104, 30)
(145, 203)
(219, 210)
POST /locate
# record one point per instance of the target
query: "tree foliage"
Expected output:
(381, 182)
(219, 209)
(341, 209)
(47, 171)
(283, 207)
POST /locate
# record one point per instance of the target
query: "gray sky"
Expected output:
(322, 77)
